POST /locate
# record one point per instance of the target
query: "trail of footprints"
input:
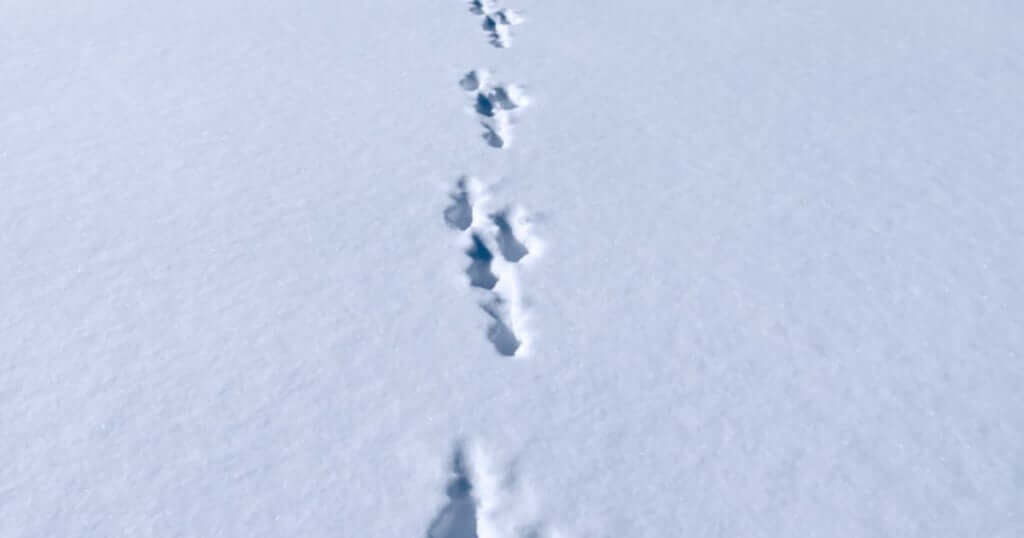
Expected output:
(496, 21)
(495, 241)
(496, 105)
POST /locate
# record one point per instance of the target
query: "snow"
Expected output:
(772, 282)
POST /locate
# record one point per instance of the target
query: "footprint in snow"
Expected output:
(495, 105)
(458, 518)
(496, 21)
(484, 504)
(496, 243)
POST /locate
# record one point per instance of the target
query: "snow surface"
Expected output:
(773, 281)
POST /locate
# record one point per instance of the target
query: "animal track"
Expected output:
(474, 80)
(497, 22)
(486, 234)
(495, 105)
(485, 504)
(459, 215)
(511, 248)
(480, 7)
(479, 272)
(458, 518)
(496, 243)
(500, 333)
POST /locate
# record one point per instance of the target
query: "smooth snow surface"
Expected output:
(517, 269)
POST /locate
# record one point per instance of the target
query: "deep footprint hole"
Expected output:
(458, 518)
(511, 248)
(484, 105)
(479, 271)
(500, 334)
(472, 81)
(492, 137)
(459, 215)
(501, 97)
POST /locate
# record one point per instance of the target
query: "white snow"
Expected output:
(772, 282)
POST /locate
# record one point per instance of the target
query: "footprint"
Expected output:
(497, 22)
(496, 133)
(499, 98)
(512, 249)
(459, 215)
(498, 25)
(481, 7)
(500, 333)
(495, 105)
(479, 271)
(458, 518)
(484, 105)
(496, 243)
(484, 502)
(474, 80)
(509, 97)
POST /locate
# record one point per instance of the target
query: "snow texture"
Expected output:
(525, 269)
